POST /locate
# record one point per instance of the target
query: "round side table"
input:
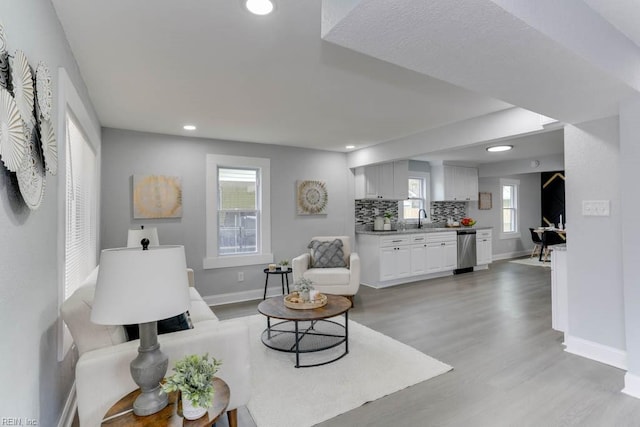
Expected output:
(284, 275)
(121, 414)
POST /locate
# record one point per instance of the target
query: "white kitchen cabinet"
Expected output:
(395, 257)
(484, 246)
(418, 254)
(384, 181)
(454, 183)
(392, 259)
(442, 252)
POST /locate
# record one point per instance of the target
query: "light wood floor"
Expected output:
(494, 328)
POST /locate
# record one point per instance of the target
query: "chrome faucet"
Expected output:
(425, 217)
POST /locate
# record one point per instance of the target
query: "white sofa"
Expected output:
(102, 371)
(335, 281)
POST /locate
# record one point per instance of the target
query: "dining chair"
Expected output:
(537, 242)
(549, 239)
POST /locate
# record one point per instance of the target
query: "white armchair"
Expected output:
(334, 280)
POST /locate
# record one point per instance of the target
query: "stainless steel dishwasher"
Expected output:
(466, 250)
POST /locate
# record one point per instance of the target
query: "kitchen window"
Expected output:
(418, 190)
(238, 211)
(509, 198)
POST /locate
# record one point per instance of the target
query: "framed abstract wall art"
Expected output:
(312, 197)
(157, 196)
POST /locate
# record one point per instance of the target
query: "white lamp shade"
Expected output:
(136, 286)
(136, 235)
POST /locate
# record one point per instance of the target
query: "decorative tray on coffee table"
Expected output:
(292, 301)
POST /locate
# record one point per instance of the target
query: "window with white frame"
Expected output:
(418, 190)
(79, 160)
(509, 202)
(238, 211)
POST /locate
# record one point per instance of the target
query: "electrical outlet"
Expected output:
(595, 208)
(240, 276)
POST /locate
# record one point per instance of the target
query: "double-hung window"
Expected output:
(238, 211)
(509, 198)
(418, 190)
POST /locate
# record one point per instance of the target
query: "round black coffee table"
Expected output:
(306, 331)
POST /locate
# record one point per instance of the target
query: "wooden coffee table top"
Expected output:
(274, 307)
(172, 414)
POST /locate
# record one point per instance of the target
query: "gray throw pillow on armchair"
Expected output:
(327, 254)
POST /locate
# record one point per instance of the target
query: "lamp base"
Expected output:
(147, 370)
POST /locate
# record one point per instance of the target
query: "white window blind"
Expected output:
(81, 208)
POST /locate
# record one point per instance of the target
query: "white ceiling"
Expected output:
(155, 65)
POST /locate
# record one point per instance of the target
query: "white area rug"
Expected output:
(532, 261)
(376, 366)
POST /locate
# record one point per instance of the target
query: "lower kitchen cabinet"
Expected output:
(484, 247)
(442, 252)
(395, 262)
(393, 259)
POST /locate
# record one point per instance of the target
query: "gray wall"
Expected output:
(125, 153)
(594, 254)
(35, 385)
(629, 161)
(529, 216)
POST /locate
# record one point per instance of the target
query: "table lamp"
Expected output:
(136, 235)
(143, 286)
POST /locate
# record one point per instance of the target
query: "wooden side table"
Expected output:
(121, 414)
(284, 274)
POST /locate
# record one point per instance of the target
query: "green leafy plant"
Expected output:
(303, 285)
(194, 378)
(284, 262)
(388, 215)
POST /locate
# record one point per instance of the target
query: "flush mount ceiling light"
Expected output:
(350, 147)
(189, 127)
(259, 7)
(498, 148)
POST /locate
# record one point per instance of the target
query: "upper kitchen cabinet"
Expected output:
(383, 181)
(454, 183)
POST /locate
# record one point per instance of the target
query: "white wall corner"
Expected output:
(70, 407)
(631, 385)
(598, 352)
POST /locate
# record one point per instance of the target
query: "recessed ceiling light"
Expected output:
(259, 7)
(498, 148)
(189, 127)
(350, 147)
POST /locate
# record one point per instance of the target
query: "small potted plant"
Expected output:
(387, 221)
(194, 378)
(284, 265)
(303, 287)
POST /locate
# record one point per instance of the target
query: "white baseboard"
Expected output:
(594, 351)
(70, 407)
(631, 385)
(232, 297)
(509, 255)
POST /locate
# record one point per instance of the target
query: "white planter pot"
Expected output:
(191, 412)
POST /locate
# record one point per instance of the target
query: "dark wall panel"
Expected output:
(552, 194)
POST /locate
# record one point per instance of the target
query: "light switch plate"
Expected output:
(595, 208)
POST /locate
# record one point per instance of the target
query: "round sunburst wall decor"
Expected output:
(312, 197)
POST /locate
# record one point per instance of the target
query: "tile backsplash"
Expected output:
(365, 210)
(438, 213)
(442, 211)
